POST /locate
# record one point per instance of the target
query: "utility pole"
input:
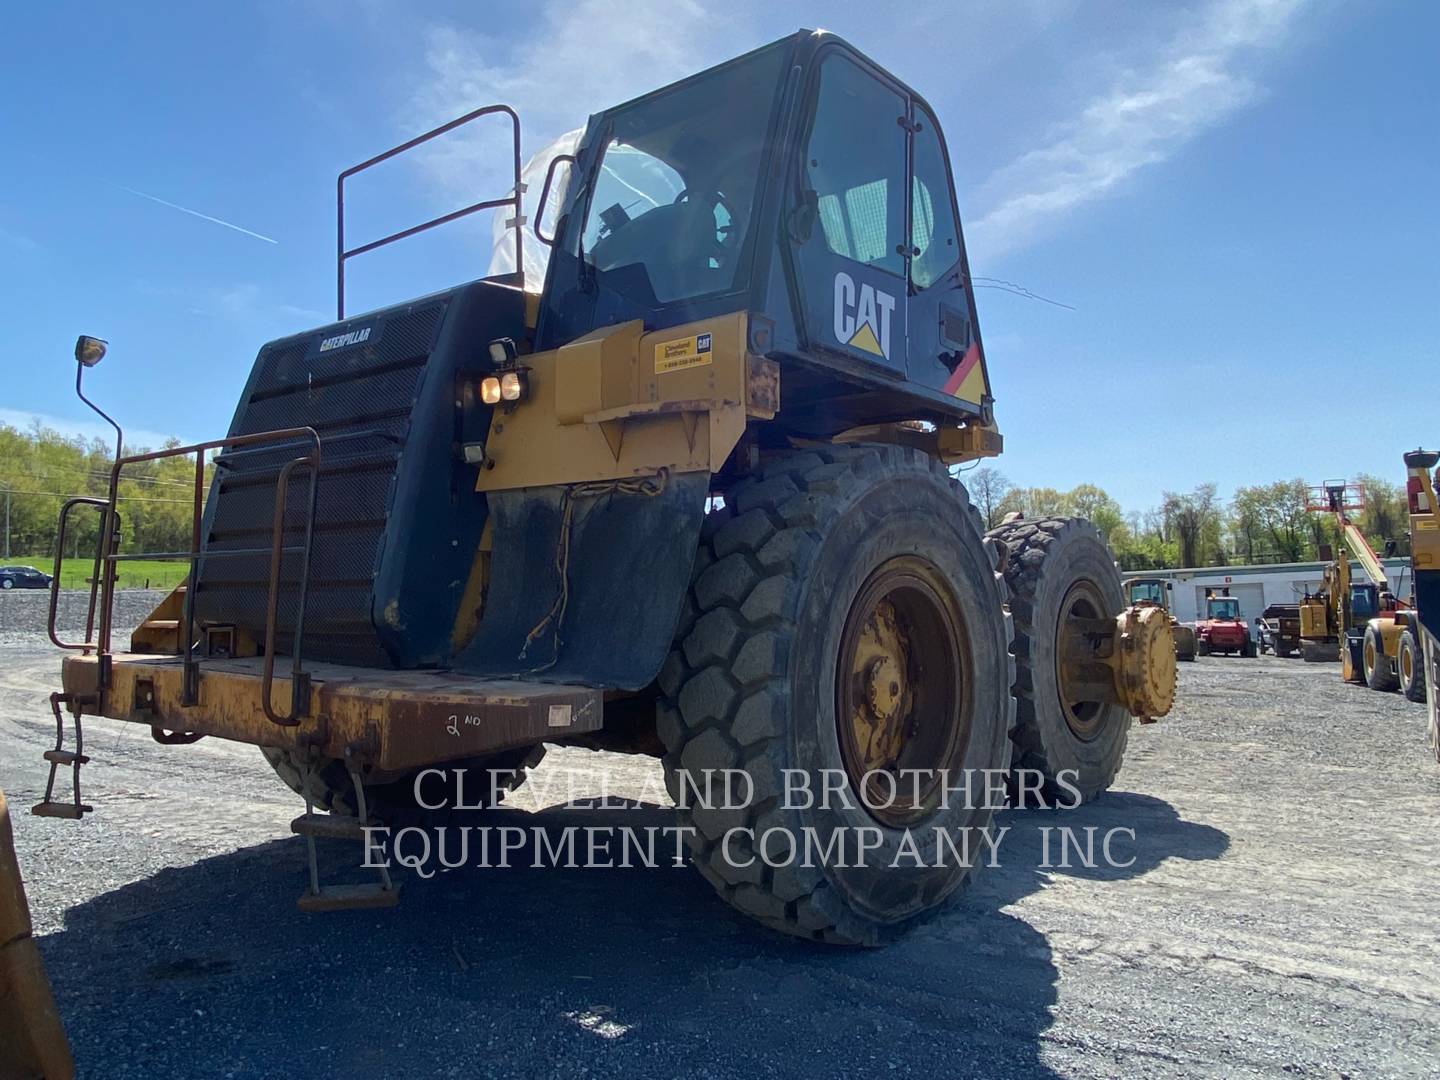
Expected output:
(7, 524)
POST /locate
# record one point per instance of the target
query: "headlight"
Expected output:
(490, 390)
(513, 385)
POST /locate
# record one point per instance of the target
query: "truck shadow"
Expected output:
(209, 969)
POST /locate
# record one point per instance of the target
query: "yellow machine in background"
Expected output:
(1155, 592)
(1363, 618)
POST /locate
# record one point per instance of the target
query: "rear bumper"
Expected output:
(388, 719)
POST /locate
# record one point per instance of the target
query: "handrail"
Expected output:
(104, 506)
(107, 556)
(517, 222)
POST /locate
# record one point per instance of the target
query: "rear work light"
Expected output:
(507, 386)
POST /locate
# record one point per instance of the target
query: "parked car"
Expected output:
(23, 577)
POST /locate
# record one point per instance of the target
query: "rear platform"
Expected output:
(392, 720)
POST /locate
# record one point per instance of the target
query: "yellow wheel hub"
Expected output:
(1145, 674)
(880, 660)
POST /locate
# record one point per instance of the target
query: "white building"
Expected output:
(1257, 587)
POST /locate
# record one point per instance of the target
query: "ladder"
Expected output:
(60, 757)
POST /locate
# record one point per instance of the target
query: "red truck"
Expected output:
(1223, 630)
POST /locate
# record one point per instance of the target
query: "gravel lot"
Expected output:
(1280, 918)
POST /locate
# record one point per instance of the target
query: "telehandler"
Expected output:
(453, 530)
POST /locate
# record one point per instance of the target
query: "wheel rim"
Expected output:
(1369, 657)
(1405, 662)
(1082, 711)
(901, 700)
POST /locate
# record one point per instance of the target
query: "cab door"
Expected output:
(945, 350)
(850, 256)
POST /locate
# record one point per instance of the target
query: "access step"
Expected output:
(64, 757)
(49, 808)
(350, 897)
(328, 826)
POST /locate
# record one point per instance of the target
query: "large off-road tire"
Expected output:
(393, 801)
(806, 559)
(1247, 650)
(1410, 665)
(1379, 672)
(1057, 567)
(1202, 647)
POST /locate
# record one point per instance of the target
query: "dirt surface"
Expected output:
(1280, 917)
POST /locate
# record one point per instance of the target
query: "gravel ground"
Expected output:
(1279, 918)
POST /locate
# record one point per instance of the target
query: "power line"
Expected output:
(1016, 289)
(87, 494)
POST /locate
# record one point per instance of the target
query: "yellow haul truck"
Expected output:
(456, 529)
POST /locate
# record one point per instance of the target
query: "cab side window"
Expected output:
(855, 165)
(934, 232)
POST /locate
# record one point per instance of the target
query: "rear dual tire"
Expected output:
(1056, 567)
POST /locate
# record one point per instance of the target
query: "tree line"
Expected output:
(40, 468)
(1265, 523)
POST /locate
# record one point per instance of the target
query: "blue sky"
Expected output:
(1238, 197)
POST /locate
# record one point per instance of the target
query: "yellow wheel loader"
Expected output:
(691, 498)
(1155, 592)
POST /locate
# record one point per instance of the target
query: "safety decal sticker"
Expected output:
(683, 353)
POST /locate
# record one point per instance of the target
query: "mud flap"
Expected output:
(588, 592)
(32, 1040)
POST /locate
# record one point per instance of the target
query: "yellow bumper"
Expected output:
(389, 719)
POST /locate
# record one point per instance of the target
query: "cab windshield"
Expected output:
(1151, 591)
(1224, 609)
(670, 202)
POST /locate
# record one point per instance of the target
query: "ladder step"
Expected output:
(348, 897)
(332, 826)
(160, 624)
(60, 810)
(65, 757)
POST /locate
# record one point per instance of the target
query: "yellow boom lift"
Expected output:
(453, 530)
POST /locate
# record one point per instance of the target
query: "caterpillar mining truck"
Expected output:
(689, 499)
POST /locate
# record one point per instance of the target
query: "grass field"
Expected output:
(130, 574)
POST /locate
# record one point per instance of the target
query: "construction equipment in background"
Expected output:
(1363, 619)
(1418, 655)
(1155, 592)
(1223, 628)
(475, 522)
(32, 1039)
(1283, 622)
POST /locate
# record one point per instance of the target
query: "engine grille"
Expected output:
(360, 399)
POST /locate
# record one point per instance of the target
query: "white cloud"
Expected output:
(84, 427)
(1198, 81)
(579, 58)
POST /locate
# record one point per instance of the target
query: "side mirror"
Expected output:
(567, 160)
(89, 350)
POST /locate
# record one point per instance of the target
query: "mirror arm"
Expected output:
(80, 393)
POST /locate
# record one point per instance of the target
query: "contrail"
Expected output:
(196, 213)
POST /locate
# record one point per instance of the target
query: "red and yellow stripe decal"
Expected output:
(967, 381)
